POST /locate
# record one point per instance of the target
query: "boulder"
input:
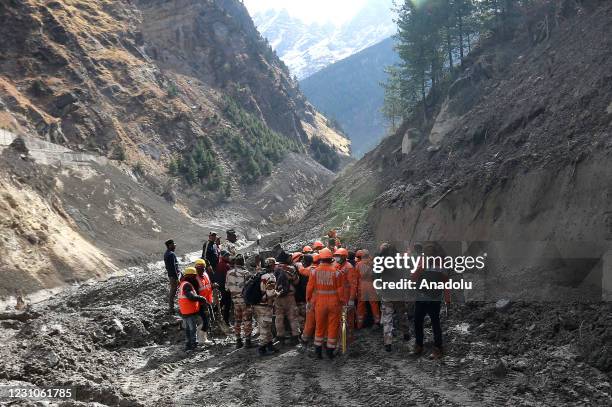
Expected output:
(502, 304)
(19, 145)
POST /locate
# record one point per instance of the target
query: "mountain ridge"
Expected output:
(350, 91)
(307, 48)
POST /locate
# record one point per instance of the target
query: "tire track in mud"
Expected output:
(223, 376)
(197, 378)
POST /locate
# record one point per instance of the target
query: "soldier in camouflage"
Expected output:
(264, 310)
(243, 314)
(287, 277)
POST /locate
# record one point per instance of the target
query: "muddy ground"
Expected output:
(114, 343)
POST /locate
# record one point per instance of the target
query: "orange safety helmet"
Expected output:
(307, 249)
(341, 252)
(296, 256)
(325, 254)
(317, 245)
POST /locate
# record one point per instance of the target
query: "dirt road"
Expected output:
(113, 342)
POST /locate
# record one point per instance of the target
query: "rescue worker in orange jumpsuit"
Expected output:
(350, 281)
(367, 293)
(317, 246)
(307, 272)
(189, 306)
(327, 284)
(205, 289)
(296, 259)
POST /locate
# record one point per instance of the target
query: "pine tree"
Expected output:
(393, 104)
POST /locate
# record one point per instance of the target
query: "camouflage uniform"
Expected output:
(301, 314)
(403, 311)
(264, 310)
(230, 248)
(243, 314)
(285, 306)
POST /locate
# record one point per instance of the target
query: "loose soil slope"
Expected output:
(517, 150)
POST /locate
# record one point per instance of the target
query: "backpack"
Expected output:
(251, 292)
(283, 285)
(282, 282)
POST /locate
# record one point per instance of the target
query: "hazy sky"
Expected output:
(336, 11)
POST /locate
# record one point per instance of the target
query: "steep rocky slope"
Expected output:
(517, 151)
(147, 75)
(142, 85)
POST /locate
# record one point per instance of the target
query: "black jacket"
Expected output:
(209, 253)
(171, 263)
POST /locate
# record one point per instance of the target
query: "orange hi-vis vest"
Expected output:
(326, 284)
(205, 289)
(187, 306)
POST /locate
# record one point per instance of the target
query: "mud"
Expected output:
(115, 344)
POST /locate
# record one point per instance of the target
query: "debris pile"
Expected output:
(114, 342)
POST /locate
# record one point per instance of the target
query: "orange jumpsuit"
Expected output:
(350, 283)
(329, 293)
(309, 325)
(367, 293)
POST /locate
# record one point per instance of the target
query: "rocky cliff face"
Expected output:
(218, 43)
(147, 74)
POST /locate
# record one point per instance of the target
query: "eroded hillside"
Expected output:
(517, 150)
(186, 101)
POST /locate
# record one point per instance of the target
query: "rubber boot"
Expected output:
(262, 350)
(203, 337)
(281, 341)
(388, 347)
(239, 343)
(330, 353)
(271, 348)
(295, 340)
(319, 352)
(247, 343)
(407, 336)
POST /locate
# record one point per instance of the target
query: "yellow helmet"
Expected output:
(201, 262)
(190, 271)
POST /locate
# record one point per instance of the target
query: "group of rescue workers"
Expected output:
(320, 295)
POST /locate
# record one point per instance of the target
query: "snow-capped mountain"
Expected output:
(307, 48)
